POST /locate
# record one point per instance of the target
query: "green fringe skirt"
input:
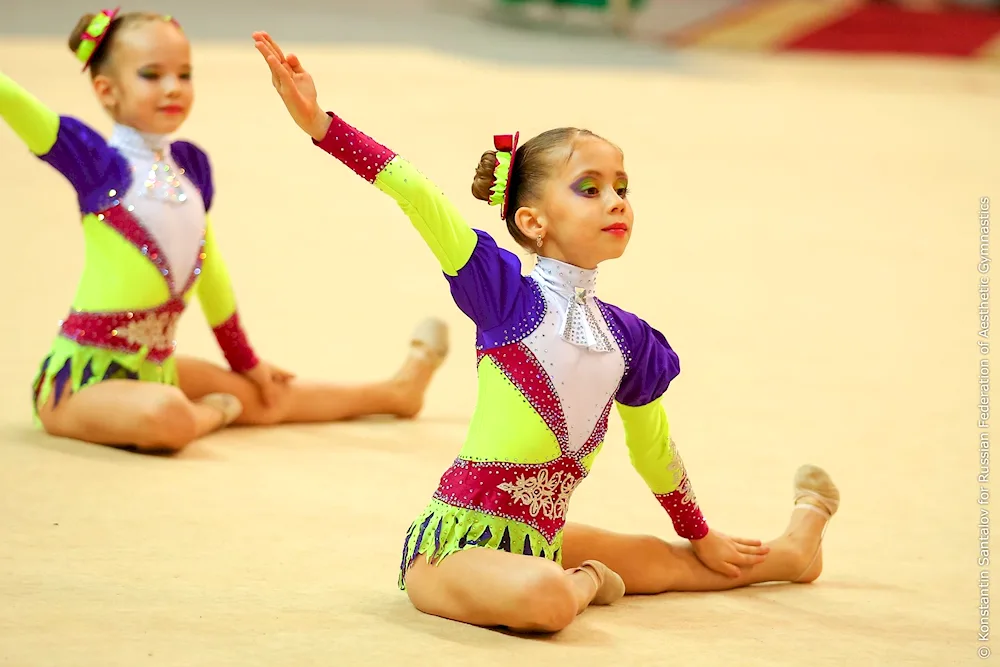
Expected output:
(442, 529)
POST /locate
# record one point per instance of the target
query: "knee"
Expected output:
(169, 423)
(547, 600)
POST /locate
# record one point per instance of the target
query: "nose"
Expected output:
(171, 85)
(616, 203)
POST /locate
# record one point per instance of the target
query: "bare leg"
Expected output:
(493, 588)
(129, 413)
(649, 565)
(400, 396)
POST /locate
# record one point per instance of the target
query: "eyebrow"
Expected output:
(594, 172)
(156, 65)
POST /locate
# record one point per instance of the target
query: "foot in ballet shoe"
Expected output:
(430, 341)
(230, 406)
(815, 488)
(428, 349)
(610, 586)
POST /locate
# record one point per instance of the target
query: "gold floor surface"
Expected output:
(807, 236)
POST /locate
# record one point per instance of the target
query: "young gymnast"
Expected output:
(150, 245)
(552, 359)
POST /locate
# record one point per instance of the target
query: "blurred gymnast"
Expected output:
(492, 547)
(112, 376)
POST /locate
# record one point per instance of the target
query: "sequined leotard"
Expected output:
(552, 360)
(144, 202)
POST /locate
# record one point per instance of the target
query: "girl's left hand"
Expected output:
(727, 555)
(270, 381)
(295, 86)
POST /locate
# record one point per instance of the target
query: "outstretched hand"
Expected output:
(727, 555)
(295, 86)
(272, 382)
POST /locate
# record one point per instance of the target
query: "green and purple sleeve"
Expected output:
(652, 366)
(485, 280)
(67, 144)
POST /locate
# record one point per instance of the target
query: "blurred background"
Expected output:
(807, 183)
(952, 28)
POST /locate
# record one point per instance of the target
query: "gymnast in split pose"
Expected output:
(492, 547)
(111, 375)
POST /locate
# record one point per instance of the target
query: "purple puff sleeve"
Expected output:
(97, 172)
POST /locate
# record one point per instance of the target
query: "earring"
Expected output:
(538, 241)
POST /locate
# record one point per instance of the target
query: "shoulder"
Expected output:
(633, 332)
(651, 362)
(197, 166)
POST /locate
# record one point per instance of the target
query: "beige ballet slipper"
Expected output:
(227, 404)
(814, 489)
(430, 341)
(610, 586)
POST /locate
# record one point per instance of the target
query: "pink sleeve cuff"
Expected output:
(365, 156)
(235, 346)
(688, 520)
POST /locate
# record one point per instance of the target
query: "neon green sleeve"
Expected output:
(218, 303)
(31, 120)
(655, 457)
(436, 219)
(432, 214)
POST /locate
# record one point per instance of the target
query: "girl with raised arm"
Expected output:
(111, 376)
(492, 547)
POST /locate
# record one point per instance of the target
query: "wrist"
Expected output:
(320, 126)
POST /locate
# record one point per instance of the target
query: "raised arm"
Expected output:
(32, 121)
(434, 216)
(67, 144)
(485, 280)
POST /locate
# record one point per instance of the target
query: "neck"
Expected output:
(126, 136)
(564, 277)
(558, 257)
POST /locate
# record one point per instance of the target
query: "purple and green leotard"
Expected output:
(149, 247)
(552, 361)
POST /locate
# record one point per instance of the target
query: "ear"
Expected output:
(107, 93)
(530, 221)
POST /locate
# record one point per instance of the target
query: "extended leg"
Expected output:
(144, 415)
(492, 588)
(303, 402)
(650, 565)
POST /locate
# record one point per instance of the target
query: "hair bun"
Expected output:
(76, 36)
(484, 179)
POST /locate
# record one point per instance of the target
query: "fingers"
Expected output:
(262, 36)
(748, 560)
(295, 64)
(282, 376)
(749, 543)
(274, 45)
(744, 549)
(263, 48)
(281, 73)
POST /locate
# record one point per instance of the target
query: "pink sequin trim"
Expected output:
(365, 156)
(235, 345)
(688, 520)
(128, 331)
(533, 494)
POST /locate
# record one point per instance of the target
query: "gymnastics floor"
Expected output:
(807, 237)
